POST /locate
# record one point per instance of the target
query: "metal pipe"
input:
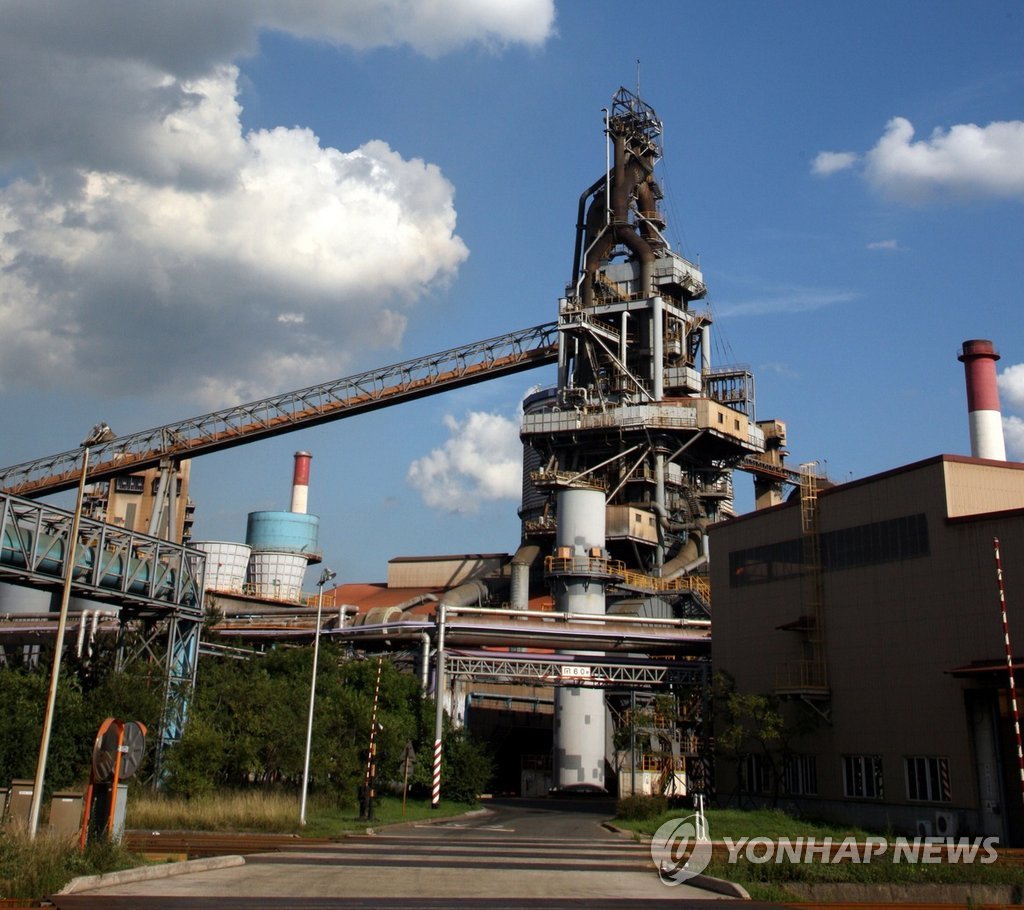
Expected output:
(658, 348)
(660, 508)
(83, 621)
(607, 169)
(705, 352)
(559, 616)
(424, 662)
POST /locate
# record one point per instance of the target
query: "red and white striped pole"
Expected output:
(435, 791)
(300, 482)
(371, 756)
(1009, 666)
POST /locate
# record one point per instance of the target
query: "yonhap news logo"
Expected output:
(903, 850)
(681, 849)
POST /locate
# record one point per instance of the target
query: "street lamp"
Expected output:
(100, 433)
(325, 577)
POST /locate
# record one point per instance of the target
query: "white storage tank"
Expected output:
(226, 564)
(277, 576)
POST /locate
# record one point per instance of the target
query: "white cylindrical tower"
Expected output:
(300, 482)
(578, 574)
(986, 422)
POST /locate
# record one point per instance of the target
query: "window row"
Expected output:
(926, 776)
(848, 548)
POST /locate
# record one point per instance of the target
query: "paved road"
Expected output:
(519, 854)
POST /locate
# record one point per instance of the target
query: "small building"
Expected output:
(873, 608)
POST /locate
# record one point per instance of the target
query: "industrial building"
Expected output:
(872, 609)
(584, 653)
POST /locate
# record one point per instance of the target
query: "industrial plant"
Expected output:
(587, 652)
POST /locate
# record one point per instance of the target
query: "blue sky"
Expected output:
(200, 205)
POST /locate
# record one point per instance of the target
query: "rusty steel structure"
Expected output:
(502, 355)
(639, 411)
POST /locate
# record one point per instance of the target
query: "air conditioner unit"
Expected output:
(946, 824)
(924, 827)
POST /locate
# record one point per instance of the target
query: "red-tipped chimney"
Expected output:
(979, 358)
(300, 482)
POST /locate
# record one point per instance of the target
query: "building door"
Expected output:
(983, 711)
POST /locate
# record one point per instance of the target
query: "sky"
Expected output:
(202, 203)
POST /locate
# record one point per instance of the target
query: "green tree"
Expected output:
(759, 725)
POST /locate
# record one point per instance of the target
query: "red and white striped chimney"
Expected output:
(300, 482)
(979, 359)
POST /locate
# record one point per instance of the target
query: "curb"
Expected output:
(149, 873)
(472, 813)
(704, 882)
(719, 886)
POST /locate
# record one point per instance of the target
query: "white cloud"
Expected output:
(786, 300)
(830, 162)
(780, 368)
(481, 461)
(885, 245)
(1013, 434)
(1011, 387)
(104, 279)
(966, 160)
(147, 241)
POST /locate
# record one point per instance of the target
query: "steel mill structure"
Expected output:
(627, 460)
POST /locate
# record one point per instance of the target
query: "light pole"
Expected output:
(325, 577)
(100, 433)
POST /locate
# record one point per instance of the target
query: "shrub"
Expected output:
(638, 808)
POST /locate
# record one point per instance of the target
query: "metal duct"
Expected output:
(465, 595)
(522, 562)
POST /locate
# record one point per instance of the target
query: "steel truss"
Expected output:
(567, 670)
(693, 676)
(143, 573)
(461, 366)
(154, 584)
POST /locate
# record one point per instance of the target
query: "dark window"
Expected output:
(800, 775)
(757, 774)
(928, 778)
(129, 483)
(862, 776)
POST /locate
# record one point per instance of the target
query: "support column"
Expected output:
(578, 575)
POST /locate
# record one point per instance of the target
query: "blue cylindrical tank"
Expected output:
(284, 532)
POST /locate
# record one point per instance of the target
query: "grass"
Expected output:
(30, 869)
(276, 812)
(768, 880)
(737, 823)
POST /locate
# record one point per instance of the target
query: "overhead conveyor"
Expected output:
(457, 367)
